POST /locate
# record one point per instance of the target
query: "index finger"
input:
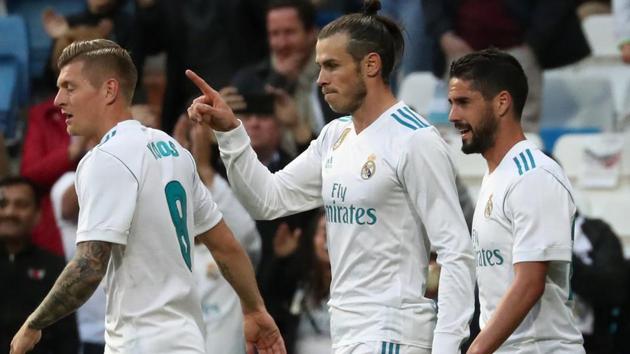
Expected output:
(201, 84)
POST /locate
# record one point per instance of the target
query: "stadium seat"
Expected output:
(612, 203)
(9, 73)
(14, 44)
(418, 90)
(599, 31)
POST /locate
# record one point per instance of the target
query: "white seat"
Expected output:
(599, 31)
(417, 90)
(577, 102)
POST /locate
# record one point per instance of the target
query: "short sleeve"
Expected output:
(541, 210)
(206, 212)
(107, 190)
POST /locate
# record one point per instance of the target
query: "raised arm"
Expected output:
(265, 195)
(260, 329)
(74, 286)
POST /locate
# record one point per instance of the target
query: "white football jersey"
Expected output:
(139, 190)
(384, 190)
(525, 213)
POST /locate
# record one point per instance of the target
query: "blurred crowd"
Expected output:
(260, 55)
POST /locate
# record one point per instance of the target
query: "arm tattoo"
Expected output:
(75, 284)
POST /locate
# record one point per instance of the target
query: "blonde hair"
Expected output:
(102, 56)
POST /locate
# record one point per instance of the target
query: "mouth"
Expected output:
(464, 129)
(68, 116)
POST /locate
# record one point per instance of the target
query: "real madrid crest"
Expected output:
(488, 210)
(369, 167)
(342, 137)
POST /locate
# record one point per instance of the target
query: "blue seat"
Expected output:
(14, 44)
(9, 73)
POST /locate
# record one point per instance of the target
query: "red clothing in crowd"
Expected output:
(44, 160)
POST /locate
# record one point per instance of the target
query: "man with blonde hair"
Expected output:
(141, 204)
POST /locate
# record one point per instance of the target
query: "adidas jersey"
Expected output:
(139, 190)
(525, 213)
(384, 191)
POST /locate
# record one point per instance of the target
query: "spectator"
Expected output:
(621, 12)
(176, 27)
(291, 70)
(26, 271)
(314, 328)
(597, 263)
(540, 34)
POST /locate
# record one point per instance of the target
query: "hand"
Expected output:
(54, 24)
(285, 242)
(285, 108)
(210, 108)
(454, 46)
(262, 333)
(625, 53)
(233, 98)
(25, 339)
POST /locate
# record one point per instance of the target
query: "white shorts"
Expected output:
(380, 348)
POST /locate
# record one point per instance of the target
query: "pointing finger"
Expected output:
(201, 84)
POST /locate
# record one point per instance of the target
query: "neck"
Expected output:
(377, 100)
(508, 135)
(15, 245)
(112, 117)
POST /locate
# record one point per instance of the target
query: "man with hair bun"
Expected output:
(142, 204)
(387, 183)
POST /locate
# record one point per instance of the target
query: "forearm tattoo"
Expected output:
(75, 284)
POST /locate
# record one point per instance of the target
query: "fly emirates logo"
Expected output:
(351, 214)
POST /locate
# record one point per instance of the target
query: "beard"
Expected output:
(354, 99)
(483, 136)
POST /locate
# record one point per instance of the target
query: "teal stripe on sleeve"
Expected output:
(384, 348)
(531, 158)
(525, 164)
(398, 348)
(416, 115)
(408, 125)
(411, 118)
(391, 348)
(518, 164)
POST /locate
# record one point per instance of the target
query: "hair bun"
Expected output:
(371, 7)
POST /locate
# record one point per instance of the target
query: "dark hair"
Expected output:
(370, 33)
(492, 71)
(100, 54)
(22, 181)
(305, 9)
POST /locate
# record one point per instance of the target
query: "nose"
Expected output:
(59, 99)
(321, 78)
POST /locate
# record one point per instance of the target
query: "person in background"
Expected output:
(27, 272)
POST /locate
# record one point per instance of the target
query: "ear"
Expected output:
(372, 65)
(111, 88)
(502, 103)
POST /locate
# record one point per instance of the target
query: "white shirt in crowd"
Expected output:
(384, 190)
(139, 190)
(525, 213)
(91, 315)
